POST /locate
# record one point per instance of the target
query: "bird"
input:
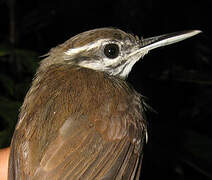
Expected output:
(81, 119)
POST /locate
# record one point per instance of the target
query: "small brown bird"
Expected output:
(80, 119)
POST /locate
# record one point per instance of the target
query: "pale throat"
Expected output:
(117, 68)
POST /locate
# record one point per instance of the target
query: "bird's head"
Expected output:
(109, 49)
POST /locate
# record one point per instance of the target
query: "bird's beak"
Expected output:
(163, 40)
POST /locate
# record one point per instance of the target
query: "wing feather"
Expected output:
(99, 136)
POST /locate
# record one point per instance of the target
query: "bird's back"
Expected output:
(78, 123)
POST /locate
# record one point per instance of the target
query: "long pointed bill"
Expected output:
(164, 40)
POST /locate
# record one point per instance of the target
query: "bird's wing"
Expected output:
(86, 155)
(100, 138)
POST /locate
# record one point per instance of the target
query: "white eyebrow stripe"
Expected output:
(86, 47)
(74, 50)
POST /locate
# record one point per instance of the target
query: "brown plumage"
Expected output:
(79, 122)
(88, 133)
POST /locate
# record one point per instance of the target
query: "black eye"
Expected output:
(111, 50)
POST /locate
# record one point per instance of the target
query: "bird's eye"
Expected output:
(111, 50)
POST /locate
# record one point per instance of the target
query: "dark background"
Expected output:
(176, 79)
